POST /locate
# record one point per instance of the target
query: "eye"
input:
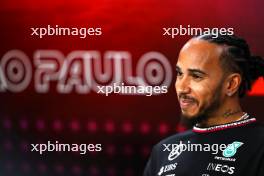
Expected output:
(197, 77)
(178, 73)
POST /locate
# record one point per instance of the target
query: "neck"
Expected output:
(228, 113)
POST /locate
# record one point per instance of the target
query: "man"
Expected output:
(212, 75)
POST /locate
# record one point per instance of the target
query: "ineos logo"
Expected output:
(221, 168)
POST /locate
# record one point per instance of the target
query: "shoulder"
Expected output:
(259, 126)
(257, 130)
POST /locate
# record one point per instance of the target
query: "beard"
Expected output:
(206, 110)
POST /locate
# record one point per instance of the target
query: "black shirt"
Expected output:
(242, 152)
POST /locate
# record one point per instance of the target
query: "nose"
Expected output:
(182, 85)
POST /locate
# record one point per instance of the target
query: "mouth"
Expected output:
(186, 103)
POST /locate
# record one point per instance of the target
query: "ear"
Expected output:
(233, 82)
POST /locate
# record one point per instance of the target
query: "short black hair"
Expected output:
(237, 58)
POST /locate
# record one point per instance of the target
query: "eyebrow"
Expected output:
(192, 70)
(197, 71)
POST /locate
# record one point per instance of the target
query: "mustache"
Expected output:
(187, 97)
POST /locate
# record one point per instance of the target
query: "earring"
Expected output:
(229, 94)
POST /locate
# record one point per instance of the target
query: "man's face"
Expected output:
(199, 76)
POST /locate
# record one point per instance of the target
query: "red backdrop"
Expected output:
(126, 125)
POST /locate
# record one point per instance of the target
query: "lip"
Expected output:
(186, 103)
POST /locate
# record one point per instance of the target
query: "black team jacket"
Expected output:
(235, 149)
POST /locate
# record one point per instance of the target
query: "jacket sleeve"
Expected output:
(150, 169)
(260, 171)
(261, 167)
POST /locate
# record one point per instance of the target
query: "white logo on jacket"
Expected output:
(167, 168)
(175, 152)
